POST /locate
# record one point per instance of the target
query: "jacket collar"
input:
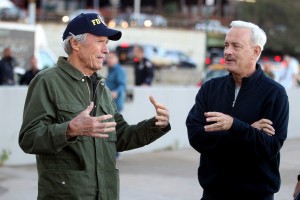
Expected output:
(73, 71)
(248, 81)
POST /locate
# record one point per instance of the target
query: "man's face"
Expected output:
(33, 63)
(7, 53)
(137, 52)
(239, 53)
(92, 53)
(111, 59)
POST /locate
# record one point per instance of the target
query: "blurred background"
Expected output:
(184, 40)
(179, 35)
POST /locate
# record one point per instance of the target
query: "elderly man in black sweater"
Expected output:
(239, 123)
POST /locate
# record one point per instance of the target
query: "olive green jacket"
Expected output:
(81, 168)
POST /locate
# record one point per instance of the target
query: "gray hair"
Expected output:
(258, 35)
(66, 43)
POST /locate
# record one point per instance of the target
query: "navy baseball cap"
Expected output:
(90, 23)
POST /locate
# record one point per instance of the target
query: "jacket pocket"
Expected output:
(67, 111)
(67, 185)
(109, 146)
(107, 108)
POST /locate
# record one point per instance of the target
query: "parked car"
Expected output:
(152, 52)
(213, 71)
(10, 12)
(179, 59)
(214, 56)
(142, 20)
(212, 26)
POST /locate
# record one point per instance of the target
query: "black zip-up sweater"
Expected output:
(243, 160)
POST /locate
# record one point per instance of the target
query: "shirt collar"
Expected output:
(73, 71)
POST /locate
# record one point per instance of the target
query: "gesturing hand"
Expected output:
(85, 125)
(162, 114)
(264, 125)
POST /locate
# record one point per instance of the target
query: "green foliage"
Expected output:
(171, 9)
(4, 156)
(279, 19)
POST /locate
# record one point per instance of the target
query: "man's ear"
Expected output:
(74, 44)
(257, 51)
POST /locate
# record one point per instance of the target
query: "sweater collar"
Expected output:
(247, 81)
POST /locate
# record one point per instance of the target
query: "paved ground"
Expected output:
(164, 175)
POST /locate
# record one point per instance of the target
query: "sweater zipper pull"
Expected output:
(233, 104)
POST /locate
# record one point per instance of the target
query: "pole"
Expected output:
(137, 9)
(32, 12)
(96, 4)
(208, 8)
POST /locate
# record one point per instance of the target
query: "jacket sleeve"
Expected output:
(259, 143)
(200, 140)
(40, 132)
(135, 136)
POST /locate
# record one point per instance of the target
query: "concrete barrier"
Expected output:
(179, 101)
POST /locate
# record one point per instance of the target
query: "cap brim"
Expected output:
(115, 36)
(112, 34)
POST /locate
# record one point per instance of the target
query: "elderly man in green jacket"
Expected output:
(71, 123)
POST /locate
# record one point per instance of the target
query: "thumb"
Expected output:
(89, 108)
(153, 101)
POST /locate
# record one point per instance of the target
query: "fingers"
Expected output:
(162, 121)
(264, 125)
(100, 130)
(266, 121)
(153, 101)
(268, 129)
(99, 135)
(91, 126)
(212, 114)
(213, 117)
(155, 104)
(102, 118)
(105, 127)
(220, 121)
(162, 114)
(213, 127)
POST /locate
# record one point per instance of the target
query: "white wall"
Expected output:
(179, 100)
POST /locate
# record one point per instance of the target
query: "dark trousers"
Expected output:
(219, 196)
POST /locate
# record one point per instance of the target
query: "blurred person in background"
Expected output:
(71, 123)
(143, 68)
(267, 67)
(31, 73)
(116, 80)
(7, 65)
(290, 73)
(239, 123)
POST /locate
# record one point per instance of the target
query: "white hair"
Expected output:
(258, 35)
(66, 43)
